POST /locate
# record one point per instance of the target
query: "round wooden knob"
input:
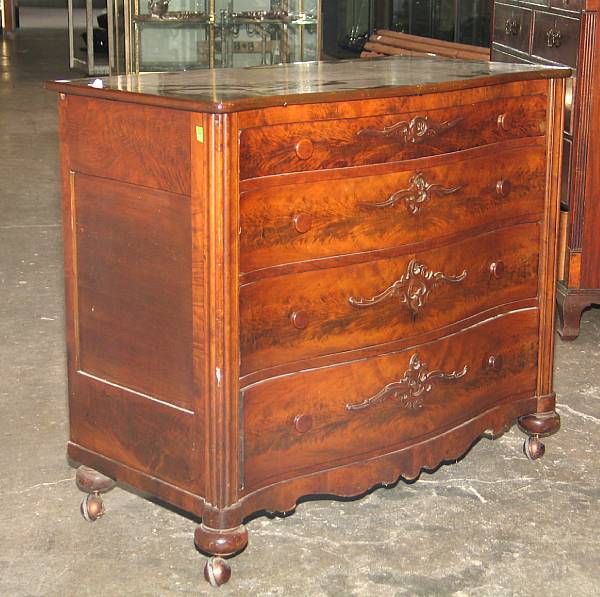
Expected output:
(299, 319)
(304, 149)
(493, 362)
(302, 223)
(504, 121)
(497, 269)
(503, 188)
(303, 423)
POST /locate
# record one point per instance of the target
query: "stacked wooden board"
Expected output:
(386, 43)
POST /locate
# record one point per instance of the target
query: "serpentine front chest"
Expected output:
(313, 278)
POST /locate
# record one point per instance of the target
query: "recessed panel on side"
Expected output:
(134, 297)
(145, 435)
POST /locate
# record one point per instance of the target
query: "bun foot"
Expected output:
(533, 448)
(217, 571)
(93, 483)
(92, 507)
(219, 543)
(538, 425)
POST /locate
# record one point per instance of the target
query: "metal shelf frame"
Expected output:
(221, 29)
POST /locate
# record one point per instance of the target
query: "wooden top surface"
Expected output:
(230, 90)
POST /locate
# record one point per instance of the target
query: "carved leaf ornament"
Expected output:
(419, 191)
(412, 131)
(412, 288)
(411, 390)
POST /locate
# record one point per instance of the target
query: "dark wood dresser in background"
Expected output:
(306, 279)
(566, 32)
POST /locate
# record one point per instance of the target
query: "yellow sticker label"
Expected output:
(200, 134)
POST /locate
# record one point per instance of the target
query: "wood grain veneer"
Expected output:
(338, 144)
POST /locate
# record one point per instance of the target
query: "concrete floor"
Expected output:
(493, 524)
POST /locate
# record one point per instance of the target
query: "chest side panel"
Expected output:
(133, 384)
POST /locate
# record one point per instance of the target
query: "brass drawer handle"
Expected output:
(419, 191)
(412, 288)
(512, 26)
(411, 131)
(412, 388)
(553, 38)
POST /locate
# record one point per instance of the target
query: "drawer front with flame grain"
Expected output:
(293, 223)
(327, 144)
(323, 418)
(298, 316)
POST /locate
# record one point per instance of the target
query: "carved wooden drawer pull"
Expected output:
(304, 149)
(504, 121)
(512, 26)
(411, 131)
(299, 319)
(493, 362)
(419, 191)
(410, 391)
(503, 188)
(412, 288)
(553, 38)
(302, 222)
(497, 269)
(303, 423)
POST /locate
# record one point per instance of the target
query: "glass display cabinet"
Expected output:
(185, 34)
(462, 21)
(347, 25)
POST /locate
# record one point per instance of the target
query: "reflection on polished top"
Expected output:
(229, 90)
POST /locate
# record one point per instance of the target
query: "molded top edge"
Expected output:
(232, 90)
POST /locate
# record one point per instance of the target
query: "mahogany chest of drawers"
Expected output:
(314, 278)
(566, 32)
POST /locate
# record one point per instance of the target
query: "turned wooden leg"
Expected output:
(93, 483)
(538, 425)
(570, 304)
(221, 543)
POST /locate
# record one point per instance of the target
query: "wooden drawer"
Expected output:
(306, 146)
(447, 195)
(512, 26)
(572, 5)
(326, 417)
(555, 38)
(298, 316)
